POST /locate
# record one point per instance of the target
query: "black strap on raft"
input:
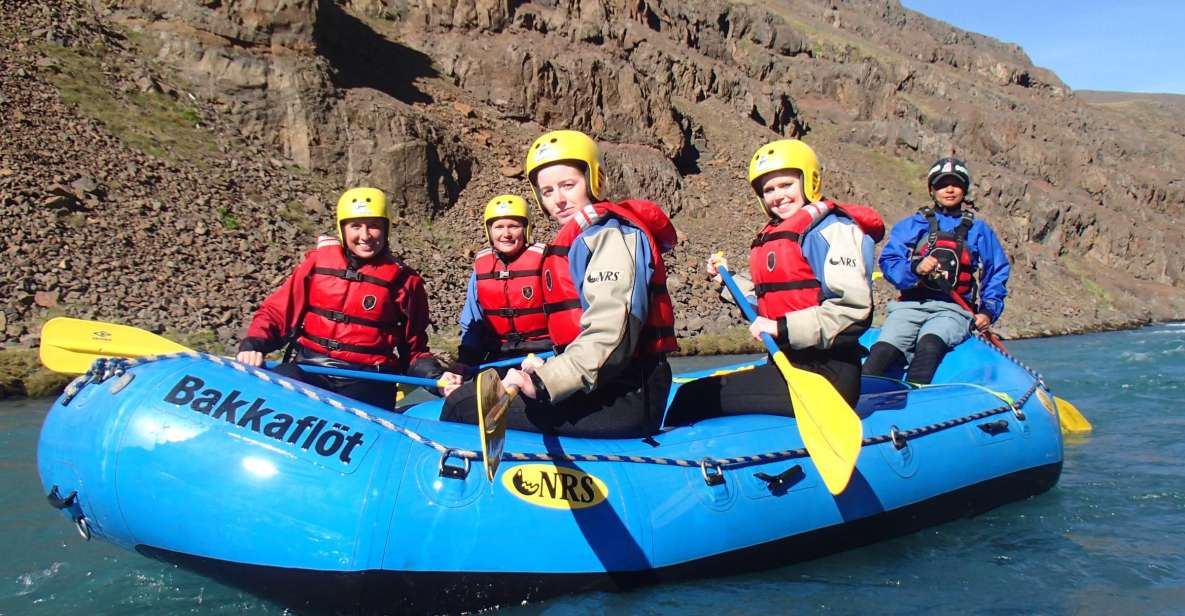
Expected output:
(994, 427)
(57, 501)
(780, 483)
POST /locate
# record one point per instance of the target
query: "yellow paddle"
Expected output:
(1069, 417)
(830, 429)
(70, 346)
(492, 402)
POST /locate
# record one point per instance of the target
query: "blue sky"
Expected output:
(1126, 45)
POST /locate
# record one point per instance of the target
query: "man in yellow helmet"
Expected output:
(350, 304)
(503, 313)
(605, 298)
(811, 280)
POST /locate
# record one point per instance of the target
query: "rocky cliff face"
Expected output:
(165, 162)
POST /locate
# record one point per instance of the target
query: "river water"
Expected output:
(1108, 539)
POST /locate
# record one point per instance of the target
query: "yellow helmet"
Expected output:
(565, 146)
(507, 206)
(361, 202)
(785, 155)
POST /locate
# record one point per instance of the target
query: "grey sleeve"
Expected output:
(608, 329)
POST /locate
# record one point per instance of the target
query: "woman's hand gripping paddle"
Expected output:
(830, 429)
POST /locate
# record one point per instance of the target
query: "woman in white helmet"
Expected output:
(503, 313)
(811, 281)
(350, 304)
(605, 297)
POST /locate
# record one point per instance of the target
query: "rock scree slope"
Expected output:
(165, 163)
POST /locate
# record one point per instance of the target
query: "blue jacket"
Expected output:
(472, 316)
(987, 256)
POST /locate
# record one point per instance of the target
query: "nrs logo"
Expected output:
(555, 487)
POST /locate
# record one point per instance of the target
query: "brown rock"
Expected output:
(46, 299)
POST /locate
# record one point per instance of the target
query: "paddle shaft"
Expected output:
(747, 309)
(512, 361)
(370, 376)
(406, 380)
(991, 336)
(830, 429)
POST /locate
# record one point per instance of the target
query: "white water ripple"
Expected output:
(28, 581)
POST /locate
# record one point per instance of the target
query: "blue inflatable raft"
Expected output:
(326, 505)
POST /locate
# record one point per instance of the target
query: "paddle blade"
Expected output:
(492, 402)
(65, 361)
(830, 429)
(70, 346)
(1071, 418)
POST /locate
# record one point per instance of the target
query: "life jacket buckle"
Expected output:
(504, 275)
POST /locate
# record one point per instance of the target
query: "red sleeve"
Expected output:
(413, 300)
(276, 318)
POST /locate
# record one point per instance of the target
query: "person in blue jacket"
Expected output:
(933, 256)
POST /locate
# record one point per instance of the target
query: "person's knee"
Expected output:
(926, 358)
(883, 357)
(932, 344)
(461, 405)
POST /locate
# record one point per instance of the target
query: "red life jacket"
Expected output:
(783, 279)
(352, 315)
(561, 298)
(510, 296)
(954, 272)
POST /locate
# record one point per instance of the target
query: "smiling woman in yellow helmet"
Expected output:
(607, 307)
(503, 313)
(350, 304)
(811, 279)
